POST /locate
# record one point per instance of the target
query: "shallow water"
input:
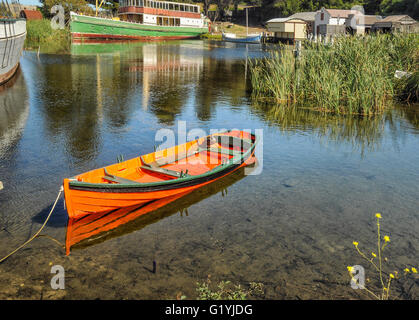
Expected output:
(291, 227)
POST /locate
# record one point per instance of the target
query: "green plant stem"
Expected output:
(379, 255)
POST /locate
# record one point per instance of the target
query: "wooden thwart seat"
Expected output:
(116, 179)
(221, 151)
(235, 141)
(153, 167)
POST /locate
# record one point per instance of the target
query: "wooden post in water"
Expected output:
(247, 23)
(297, 50)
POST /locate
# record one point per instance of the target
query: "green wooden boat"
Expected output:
(142, 20)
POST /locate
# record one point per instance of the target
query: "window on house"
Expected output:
(322, 16)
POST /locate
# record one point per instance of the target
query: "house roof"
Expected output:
(342, 13)
(31, 14)
(370, 20)
(402, 19)
(278, 20)
(306, 16)
(396, 18)
(367, 20)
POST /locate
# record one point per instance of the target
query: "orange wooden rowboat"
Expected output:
(89, 230)
(166, 173)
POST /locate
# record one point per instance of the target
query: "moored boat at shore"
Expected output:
(249, 38)
(12, 39)
(169, 172)
(231, 37)
(142, 20)
(89, 230)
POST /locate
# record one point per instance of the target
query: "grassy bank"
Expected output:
(354, 75)
(41, 35)
(209, 36)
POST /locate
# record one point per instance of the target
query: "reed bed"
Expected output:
(355, 75)
(41, 35)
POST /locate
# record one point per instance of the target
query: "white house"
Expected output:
(333, 21)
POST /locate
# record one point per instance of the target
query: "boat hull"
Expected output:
(86, 27)
(89, 230)
(12, 39)
(255, 39)
(84, 198)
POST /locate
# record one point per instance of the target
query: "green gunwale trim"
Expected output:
(229, 163)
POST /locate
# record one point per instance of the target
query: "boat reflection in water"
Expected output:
(14, 111)
(161, 75)
(96, 228)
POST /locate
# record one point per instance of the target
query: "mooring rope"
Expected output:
(39, 231)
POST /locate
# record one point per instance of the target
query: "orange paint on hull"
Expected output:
(95, 228)
(79, 229)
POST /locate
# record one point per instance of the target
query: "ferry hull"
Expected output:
(86, 27)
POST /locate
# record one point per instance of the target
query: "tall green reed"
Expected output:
(354, 75)
(41, 34)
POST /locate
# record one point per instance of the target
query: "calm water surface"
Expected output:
(291, 227)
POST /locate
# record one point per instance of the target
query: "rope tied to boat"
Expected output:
(39, 231)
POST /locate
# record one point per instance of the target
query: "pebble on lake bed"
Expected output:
(1, 185)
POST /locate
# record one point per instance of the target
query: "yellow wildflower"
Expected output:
(406, 270)
(386, 238)
(374, 255)
(351, 268)
(391, 276)
(378, 215)
(355, 243)
(414, 270)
